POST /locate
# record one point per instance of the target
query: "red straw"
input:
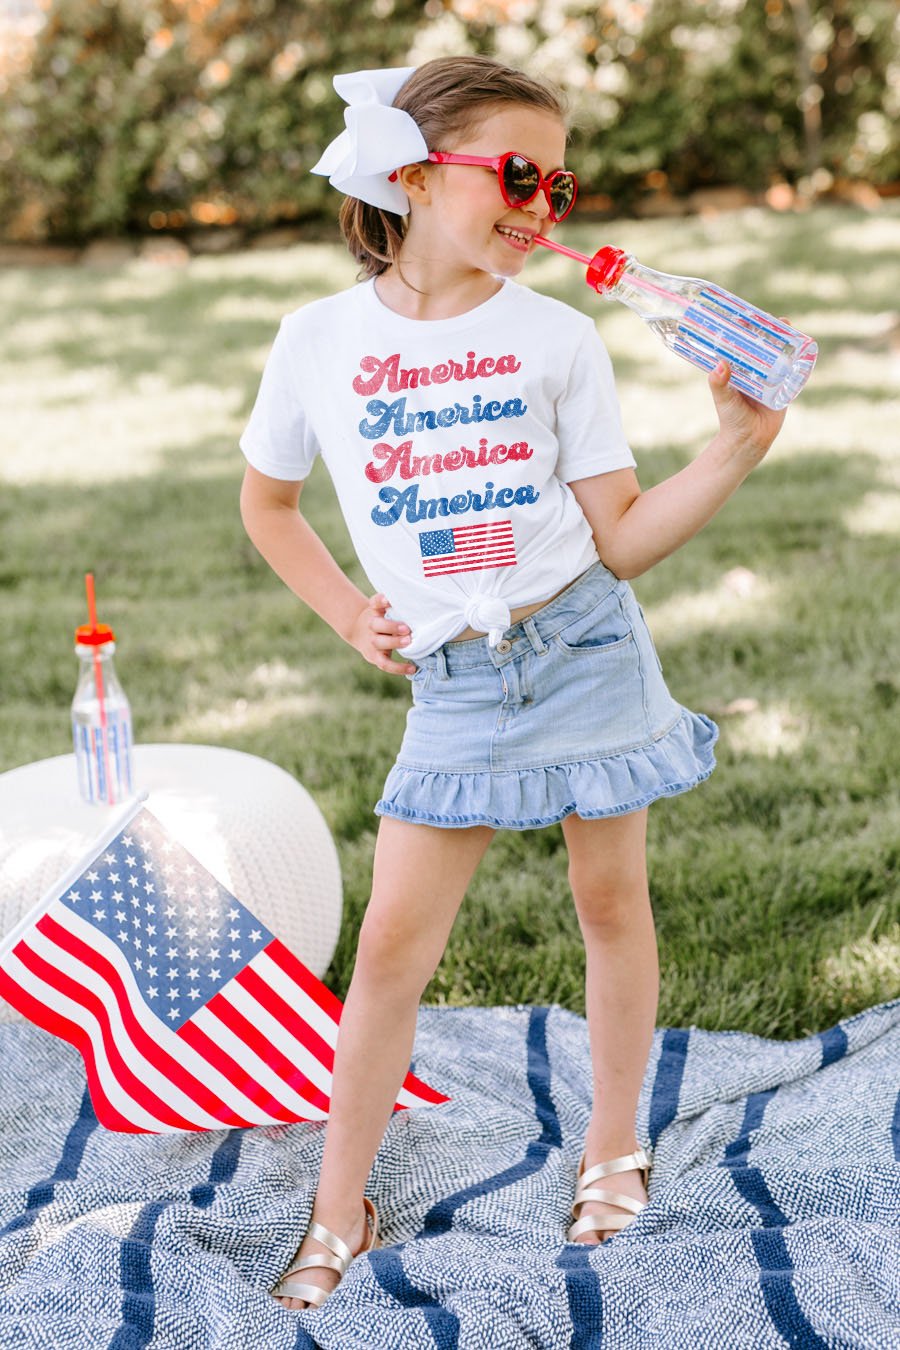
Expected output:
(98, 680)
(91, 601)
(561, 248)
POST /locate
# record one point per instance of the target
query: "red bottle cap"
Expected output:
(605, 268)
(90, 636)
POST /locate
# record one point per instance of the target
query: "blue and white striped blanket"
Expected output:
(775, 1214)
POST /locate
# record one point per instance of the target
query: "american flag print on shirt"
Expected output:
(468, 548)
(188, 1012)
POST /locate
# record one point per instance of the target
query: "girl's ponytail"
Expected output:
(373, 235)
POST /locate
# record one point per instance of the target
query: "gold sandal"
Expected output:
(606, 1223)
(339, 1260)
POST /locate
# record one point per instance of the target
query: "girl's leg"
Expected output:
(420, 877)
(608, 876)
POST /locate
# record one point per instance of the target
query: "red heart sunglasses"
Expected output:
(520, 180)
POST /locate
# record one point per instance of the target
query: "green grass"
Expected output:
(775, 885)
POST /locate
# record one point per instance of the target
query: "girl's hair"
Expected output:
(446, 98)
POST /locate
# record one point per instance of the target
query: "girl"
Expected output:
(472, 432)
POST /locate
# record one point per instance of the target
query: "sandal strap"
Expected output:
(599, 1223)
(316, 1263)
(616, 1198)
(627, 1163)
(334, 1244)
(310, 1293)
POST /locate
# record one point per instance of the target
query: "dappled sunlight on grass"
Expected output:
(738, 598)
(877, 513)
(866, 971)
(242, 715)
(771, 730)
(276, 692)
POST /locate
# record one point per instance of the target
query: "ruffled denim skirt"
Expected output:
(568, 714)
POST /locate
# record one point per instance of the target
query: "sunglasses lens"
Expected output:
(521, 180)
(563, 187)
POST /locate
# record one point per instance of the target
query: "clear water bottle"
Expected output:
(101, 719)
(770, 361)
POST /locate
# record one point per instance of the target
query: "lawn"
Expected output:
(776, 885)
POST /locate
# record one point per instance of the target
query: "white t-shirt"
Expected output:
(450, 443)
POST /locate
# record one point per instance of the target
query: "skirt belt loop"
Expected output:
(534, 636)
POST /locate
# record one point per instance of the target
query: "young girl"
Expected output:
(472, 432)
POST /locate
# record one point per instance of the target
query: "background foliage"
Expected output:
(141, 115)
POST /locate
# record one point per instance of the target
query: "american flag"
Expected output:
(188, 1012)
(468, 548)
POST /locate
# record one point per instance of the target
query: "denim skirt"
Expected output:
(569, 713)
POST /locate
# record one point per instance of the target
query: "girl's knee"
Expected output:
(393, 954)
(608, 901)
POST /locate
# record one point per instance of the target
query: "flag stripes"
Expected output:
(223, 1027)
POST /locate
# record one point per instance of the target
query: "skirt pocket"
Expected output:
(603, 629)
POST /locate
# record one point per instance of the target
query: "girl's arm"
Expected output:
(295, 552)
(635, 530)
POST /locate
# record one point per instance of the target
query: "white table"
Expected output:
(246, 820)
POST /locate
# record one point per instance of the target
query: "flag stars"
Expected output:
(194, 993)
(148, 866)
(73, 896)
(109, 859)
(256, 935)
(123, 936)
(174, 1014)
(133, 881)
(149, 888)
(92, 877)
(120, 917)
(172, 953)
(96, 895)
(214, 974)
(173, 993)
(152, 991)
(151, 909)
(193, 973)
(131, 860)
(234, 934)
(113, 878)
(151, 971)
(118, 897)
(170, 911)
(235, 954)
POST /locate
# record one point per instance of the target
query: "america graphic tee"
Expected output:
(450, 443)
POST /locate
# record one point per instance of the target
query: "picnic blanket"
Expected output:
(775, 1214)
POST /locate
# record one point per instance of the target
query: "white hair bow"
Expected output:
(378, 139)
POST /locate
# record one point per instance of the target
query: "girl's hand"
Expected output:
(748, 427)
(375, 636)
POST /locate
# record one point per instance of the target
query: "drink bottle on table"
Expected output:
(101, 716)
